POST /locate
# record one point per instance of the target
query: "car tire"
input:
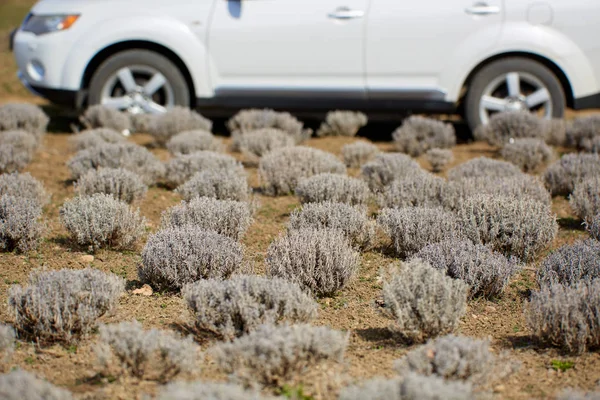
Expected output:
(178, 92)
(494, 71)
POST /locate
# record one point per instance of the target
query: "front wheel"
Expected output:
(513, 84)
(139, 82)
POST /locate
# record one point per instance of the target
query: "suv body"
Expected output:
(371, 55)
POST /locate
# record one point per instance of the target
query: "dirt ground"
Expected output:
(372, 348)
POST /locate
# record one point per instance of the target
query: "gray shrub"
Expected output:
(562, 175)
(222, 184)
(96, 137)
(20, 226)
(439, 158)
(20, 140)
(352, 221)
(423, 301)
(101, 221)
(150, 354)
(174, 257)
(252, 119)
(7, 341)
(595, 145)
(419, 387)
(358, 153)
(422, 190)
(584, 132)
(63, 305)
(485, 271)
(412, 228)
(226, 217)
(23, 385)
(505, 126)
(510, 225)
(99, 116)
(209, 391)
(451, 357)
(411, 387)
(26, 117)
(129, 156)
(23, 185)
(571, 264)
(182, 168)
(593, 227)
(483, 167)
(273, 354)
(13, 158)
(570, 394)
(255, 144)
(555, 131)
(585, 199)
(237, 306)
(529, 154)
(566, 316)
(333, 187)
(321, 261)
(142, 123)
(176, 120)
(120, 183)
(419, 134)
(373, 389)
(282, 169)
(342, 123)
(387, 167)
(521, 186)
(188, 142)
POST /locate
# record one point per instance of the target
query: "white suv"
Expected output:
(443, 56)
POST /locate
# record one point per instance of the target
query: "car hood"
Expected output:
(68, 6)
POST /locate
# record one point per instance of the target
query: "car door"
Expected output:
(287, 47)
(416, 49)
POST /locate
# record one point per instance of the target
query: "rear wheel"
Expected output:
(139, 82)
(513, 84)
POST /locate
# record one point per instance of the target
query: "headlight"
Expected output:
(41, 24)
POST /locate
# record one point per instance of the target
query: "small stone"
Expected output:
(88, 258)
(490, 309)
(145, 290)
(499, 389)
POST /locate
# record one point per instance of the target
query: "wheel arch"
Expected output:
(556, 70)
(115, 48)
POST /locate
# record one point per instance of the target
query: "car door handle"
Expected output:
(346, 13)
(482, 9)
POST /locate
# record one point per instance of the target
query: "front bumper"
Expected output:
(40, 60)
(587, 102)
(68, 98)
